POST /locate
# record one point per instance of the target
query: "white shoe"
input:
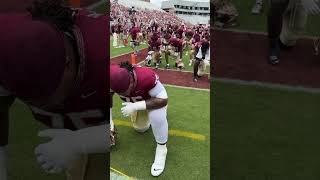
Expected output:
(257, 8)
(159, 161)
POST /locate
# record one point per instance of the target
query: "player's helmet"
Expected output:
(32, 57)
(119, 79)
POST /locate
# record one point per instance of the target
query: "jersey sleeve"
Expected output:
(158, 91)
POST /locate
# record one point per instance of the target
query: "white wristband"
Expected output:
(140, 105)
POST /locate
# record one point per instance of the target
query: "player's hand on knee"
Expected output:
(57, 155)
(128, 107)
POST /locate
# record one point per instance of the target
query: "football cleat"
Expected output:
(257, 8)
(274, 52)
(113, 136)
(190, 62)
(148, 60)
(195, 79)
(159, 161)
(180, 65)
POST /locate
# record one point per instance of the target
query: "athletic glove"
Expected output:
(66, 146)
(128, 107)
(311, 6)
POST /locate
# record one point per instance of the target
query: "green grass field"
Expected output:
(124, 50)
(249, 22)
(101, 9)
(188, 111)
(185, 59)
(119, 51)
(264, 134)
(22, 141)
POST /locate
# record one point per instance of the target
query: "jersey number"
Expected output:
(78, 118)
(131, 99)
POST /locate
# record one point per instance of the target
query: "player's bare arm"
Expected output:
(155, 103)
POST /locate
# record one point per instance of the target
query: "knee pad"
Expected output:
(88, 167)
(140, 121)
(156, 57)
(201, 68)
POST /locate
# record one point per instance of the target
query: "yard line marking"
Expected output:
(187, 135)
(194, 136)
(185, 87)
(268, 85)
(122, 174)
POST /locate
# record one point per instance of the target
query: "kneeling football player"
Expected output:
(146, 102)
(154, 44)
(202, 59)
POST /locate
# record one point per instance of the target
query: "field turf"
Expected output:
(188, 158)
(22, 141)
(264, 134)
(124, 50)
(249, 22)
(119, 51)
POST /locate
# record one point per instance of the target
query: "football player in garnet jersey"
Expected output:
(154, 46)
(177, 44)
(202, 58)
(146, 102)
(54, 59)
(134, 42)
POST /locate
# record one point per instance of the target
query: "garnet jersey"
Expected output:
(87, 106)
(146, 80)
(154, 42)
(166, 38)
(177, 43)
(180, 32)
(155, 45)
(133, 32)
(189, 34)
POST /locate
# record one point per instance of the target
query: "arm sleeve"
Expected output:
(158, 91)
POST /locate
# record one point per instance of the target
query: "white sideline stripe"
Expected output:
(185, 87)
(269, 85)
(251, 83)
(115, 176)
(257, 32)
(94, 5)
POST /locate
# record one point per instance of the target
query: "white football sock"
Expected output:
(160, 160)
